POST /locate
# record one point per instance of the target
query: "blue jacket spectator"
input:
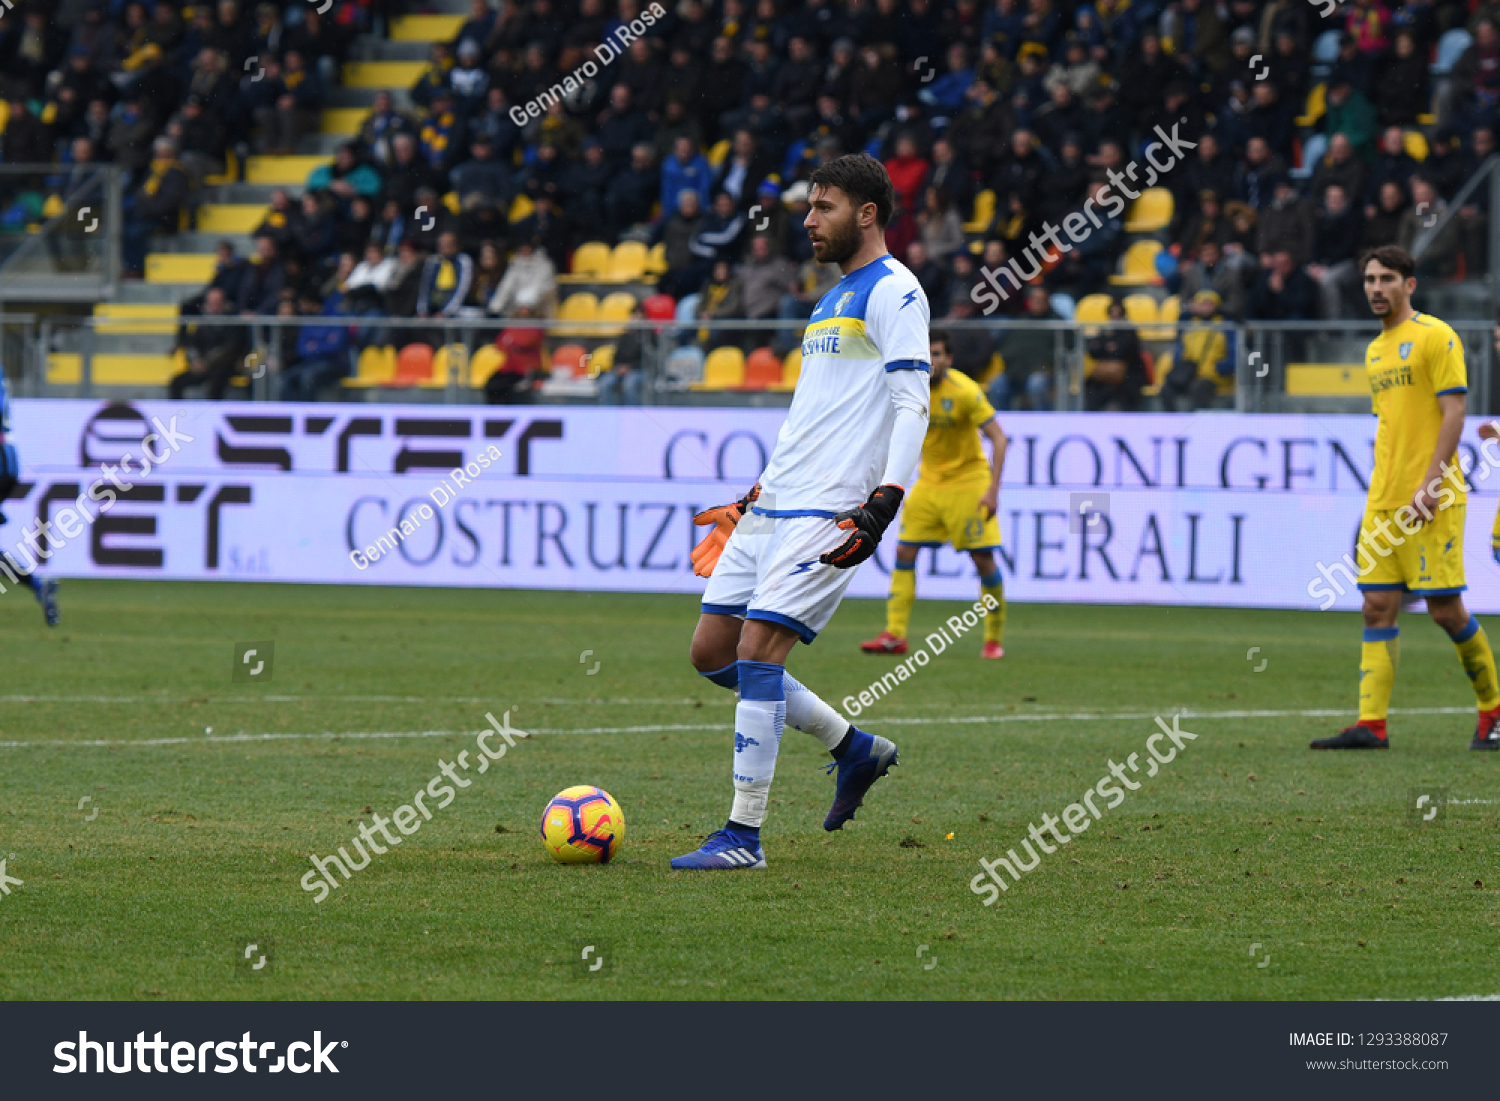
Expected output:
(685, 169)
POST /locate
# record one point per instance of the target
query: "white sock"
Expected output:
(758, 723)
(806, 711)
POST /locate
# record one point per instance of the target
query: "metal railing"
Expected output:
(674, 355)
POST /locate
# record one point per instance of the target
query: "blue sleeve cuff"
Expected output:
(908, 365)
(1453, 390)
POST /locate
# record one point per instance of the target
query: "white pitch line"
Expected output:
(653, 728)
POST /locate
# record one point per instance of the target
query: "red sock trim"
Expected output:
(1377, 725)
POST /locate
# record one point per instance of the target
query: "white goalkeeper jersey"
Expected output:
(865, 350)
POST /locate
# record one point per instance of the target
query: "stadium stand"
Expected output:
(284, 154)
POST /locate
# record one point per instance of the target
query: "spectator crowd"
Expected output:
(701, 134)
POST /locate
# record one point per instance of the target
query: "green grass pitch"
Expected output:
(197, 846)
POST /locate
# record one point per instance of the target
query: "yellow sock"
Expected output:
(994, 623)
(903, 595)
(1378, 659)
(1479, 663)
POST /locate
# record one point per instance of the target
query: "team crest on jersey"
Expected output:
(947, 405)
(843, 301)
(1405, 350)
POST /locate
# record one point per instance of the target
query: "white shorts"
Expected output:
(770, 570)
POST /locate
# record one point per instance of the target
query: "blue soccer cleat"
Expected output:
(46, 596)
(868, 758)
(725, 848)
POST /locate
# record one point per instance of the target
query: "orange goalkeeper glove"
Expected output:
(723, 518)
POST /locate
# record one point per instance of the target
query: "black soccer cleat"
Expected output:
(1357, 736)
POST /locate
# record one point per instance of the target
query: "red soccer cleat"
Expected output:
(884, 643)
(992, 650)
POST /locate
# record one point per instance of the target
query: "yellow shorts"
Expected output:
(936, 515)
(1428, 562)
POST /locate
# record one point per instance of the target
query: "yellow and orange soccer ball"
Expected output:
(583, 825)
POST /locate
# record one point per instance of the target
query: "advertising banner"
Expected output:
(1206, 509)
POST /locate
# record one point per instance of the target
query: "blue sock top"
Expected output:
(762, 680)
(1466, 632)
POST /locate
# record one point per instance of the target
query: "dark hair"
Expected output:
(1391, 256)
(863, 179)
(938, 336)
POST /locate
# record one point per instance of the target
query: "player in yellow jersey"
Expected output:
(954, 501)
(1412, 537)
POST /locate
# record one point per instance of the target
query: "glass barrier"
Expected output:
(60, 228)
(1160, 366)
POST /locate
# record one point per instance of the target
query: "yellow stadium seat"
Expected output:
(791, 370)
(53, 206)
(344, 121)
(486, 360)
(520, 207)
(590, 262)
(627, 263)
(282, 171)
(1140, 308)
(1416, 144)
(656, 259)
(1138, 265)
(580, 307)
(1169, 310)
(615, 307)
(231, 217)
(136, 318)
(111, 369)
(984, 212)
(180, 267)
(383, 75)
(601, 359)
(453, 203)
(1151, 212)
(375, 367)
(1316, 107)
(1326, 380)
(724, 369)
(1426, 120)
(717, 154)
(442, 360)
(425, 28)
(1092, 307)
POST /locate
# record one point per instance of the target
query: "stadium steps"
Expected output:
(375, 76)
(138, 291)
(201, 242)
(241, 194)
(282, 171)
(426, 29)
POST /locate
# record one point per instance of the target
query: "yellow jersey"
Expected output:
(1409, 367)
(951, 452)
